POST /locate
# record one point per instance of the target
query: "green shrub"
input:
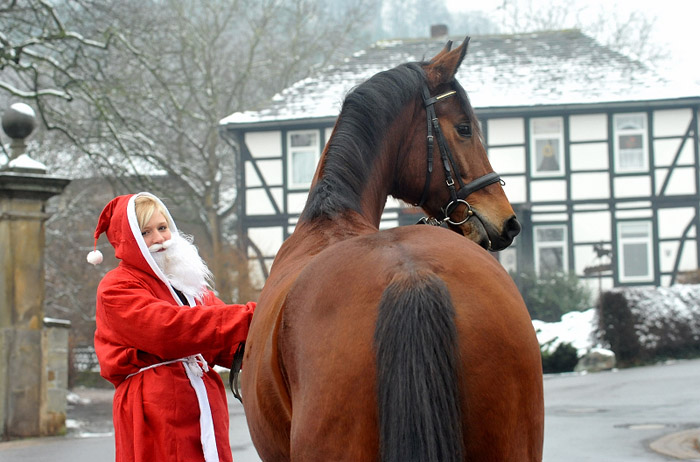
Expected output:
(550, 296)
(563, 359)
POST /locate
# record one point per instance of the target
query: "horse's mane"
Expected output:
(364, 120)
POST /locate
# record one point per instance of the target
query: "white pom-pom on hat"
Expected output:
(94, 257)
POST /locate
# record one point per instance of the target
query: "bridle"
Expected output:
(456, 196)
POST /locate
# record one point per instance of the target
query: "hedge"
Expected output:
(644, 324)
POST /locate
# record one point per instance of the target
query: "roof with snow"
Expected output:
(500, 71)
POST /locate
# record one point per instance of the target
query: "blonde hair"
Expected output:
(145, 207)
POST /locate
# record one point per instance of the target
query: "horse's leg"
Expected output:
(333, 399)
(501, 371)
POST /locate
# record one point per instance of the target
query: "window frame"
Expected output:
(622, 241)
(291, 150)
(539, 245)
(535, 137)
(643, 132)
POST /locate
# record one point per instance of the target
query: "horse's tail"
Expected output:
(417, 358)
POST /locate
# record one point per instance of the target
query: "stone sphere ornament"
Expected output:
(19, 121)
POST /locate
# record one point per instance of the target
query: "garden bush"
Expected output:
(549, 297)
(563, 359)
(643, 324)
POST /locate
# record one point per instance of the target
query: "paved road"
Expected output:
(603, 417)
(614, 416)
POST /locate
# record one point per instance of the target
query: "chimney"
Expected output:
(438, 31)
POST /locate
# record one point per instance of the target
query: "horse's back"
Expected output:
(326, 342)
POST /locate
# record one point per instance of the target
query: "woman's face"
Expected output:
(156, 230)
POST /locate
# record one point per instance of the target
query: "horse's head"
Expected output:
(455, 180)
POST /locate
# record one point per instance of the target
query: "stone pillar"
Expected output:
(24, 189)
(54, 390)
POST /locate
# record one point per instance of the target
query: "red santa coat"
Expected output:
(141, 322)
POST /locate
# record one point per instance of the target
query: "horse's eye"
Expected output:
(464, 130)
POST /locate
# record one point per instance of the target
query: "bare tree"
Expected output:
(411, 18)
(137, 87)
(627, 32)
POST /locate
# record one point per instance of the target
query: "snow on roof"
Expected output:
(544, 68)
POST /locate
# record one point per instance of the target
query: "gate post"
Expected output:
(24, 189)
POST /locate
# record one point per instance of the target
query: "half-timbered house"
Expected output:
(598, 151)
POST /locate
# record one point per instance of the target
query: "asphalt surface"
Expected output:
(640, 414)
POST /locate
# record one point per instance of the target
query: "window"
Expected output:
(550, 249)
(547, 146)
(302, 155)
(634, 251)
(631, 142)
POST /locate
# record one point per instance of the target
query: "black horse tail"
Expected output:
(234, 375)
(417, 357)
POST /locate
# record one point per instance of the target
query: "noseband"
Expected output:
(456, 196)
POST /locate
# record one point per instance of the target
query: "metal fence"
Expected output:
(85, 359)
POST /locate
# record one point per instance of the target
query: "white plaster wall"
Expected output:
(271, 171)
(267, 239)
(682, 181)
(591, 226)
(258, 203)
(515, 189)
(549, 208)
(590, 186)
(644, 214)
(264, 144)
(296, 202)
(589, 156)
(506, 131)
(393, 203)
(673, 122)
(633, 205)
(550, 217)
(588, 127)
(673, 221)
(584, 256)
(388, 224)
(508, 159)
(632, 186)
(668, 252)
(548, 190)
(665, 151)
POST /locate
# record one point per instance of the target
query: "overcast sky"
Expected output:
(676, 26)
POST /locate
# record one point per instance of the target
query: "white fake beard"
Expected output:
(182, 265)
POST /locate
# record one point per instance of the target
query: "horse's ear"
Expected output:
(443, 67)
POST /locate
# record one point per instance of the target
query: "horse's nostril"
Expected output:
(512, 227)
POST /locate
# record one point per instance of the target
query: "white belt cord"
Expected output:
(195, 371)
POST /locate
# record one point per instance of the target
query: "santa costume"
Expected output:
(157, 345)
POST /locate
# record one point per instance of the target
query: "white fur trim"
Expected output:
(94, 257)
(136, 231)
(206, 421)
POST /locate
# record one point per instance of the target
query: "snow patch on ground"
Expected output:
(577, 328)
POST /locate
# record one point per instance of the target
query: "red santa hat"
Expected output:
(95, 256)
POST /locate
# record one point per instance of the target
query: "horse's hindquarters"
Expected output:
(502, 379)
(326, 342)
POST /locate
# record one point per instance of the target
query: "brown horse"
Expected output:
(409, 344)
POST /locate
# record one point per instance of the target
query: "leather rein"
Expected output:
(456, 196)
